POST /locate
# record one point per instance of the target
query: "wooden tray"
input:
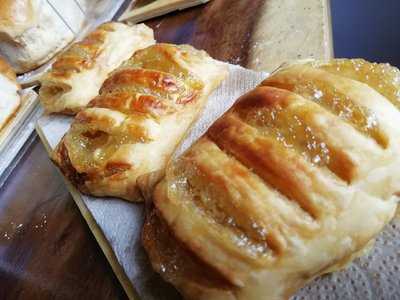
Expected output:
(18, 130)
(157, 8)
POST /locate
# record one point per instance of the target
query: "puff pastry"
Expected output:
(294, 181)
(77, 75)
(142, 113)
(33, 31)
(9, 97)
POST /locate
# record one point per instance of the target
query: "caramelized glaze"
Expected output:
(275, 193)
(81, 55)
(384, 78)
(338, 103)
(132, 127)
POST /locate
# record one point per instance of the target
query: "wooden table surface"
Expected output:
(46, 248)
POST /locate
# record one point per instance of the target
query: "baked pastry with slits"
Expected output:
(9, 97)
(144, 110)
(294, 181)
(77, 75)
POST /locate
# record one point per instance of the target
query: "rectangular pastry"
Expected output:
(34, 31)
(77, 75)
(9, 97)
(132, 128)
(294, 181)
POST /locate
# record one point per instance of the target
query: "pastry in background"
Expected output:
(77, 74)
(294, 181)
(144, 110)
(9, 97)
(33, 31)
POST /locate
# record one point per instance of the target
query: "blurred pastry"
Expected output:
(33, 31)
(294, 181)
(77, 75)
(9, 97)
(145, 108)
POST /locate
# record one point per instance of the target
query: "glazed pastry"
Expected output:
(33, 31)
(77, 75)
(294, 181)
(9, 97)
(144, 110)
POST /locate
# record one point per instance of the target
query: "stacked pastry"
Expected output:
(9, 97)
(294, 181)
(33, 31)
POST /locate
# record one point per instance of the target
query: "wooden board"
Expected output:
(18, 130)
(148, 10)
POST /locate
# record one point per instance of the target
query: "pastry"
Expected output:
(294, 181)
(33, 31)
(9, 97)
(144, 110)
(77, 75)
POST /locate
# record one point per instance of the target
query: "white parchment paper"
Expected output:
(375, 276)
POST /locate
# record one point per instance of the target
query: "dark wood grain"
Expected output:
(46, 248)
(222, 28)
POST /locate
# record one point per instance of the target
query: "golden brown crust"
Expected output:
(81, 55)
(77, 75)
(278, 190)
(61, 159)
(132, 128)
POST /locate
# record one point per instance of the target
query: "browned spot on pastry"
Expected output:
(147, 103)
(81, 55)
(114, 167)
(83, 118)
(93, 134)
(66, 167)
(104, 120)
(151, 79)
(127, 103)
(263, 97)
(112, 101)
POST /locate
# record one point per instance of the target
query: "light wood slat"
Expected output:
(156, 9)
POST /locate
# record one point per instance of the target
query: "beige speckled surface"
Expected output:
(291, 29)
